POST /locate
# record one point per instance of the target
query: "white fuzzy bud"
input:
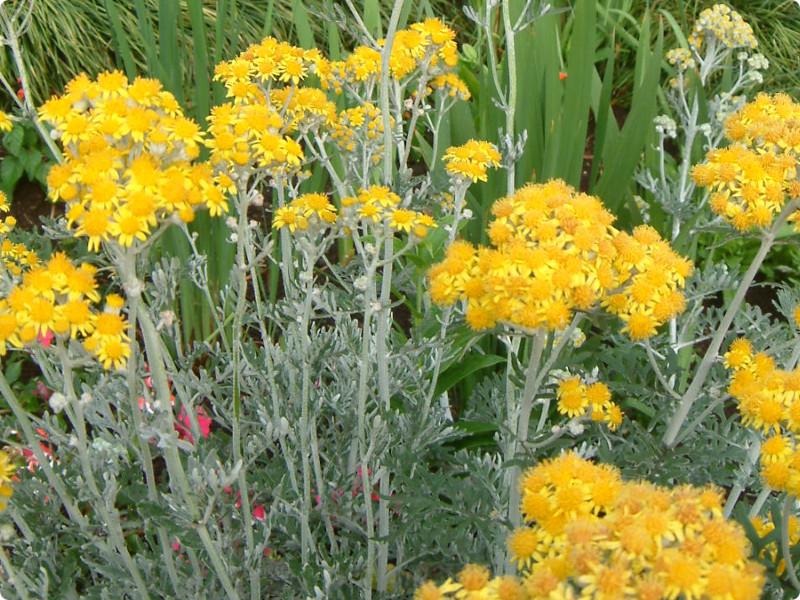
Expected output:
(58, 402)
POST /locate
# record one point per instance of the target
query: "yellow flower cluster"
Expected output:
(308, 210)
(58, 299)
(751, 179)
(129, 155)
(7, 470)
(469, 161)
(764, 526)
(378, 205)
(8, 223)
(360, 127)
(721, 24)
(449, 84)
(769, 401)
(375, 205)
(6, 124)
(575, 399)
(555, 251)
(267, 62)
(246, 136)
(681, 58)
(428, 46)
(591, 535)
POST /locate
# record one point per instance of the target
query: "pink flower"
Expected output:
(259, 513)
(184, 424)
(46, 339)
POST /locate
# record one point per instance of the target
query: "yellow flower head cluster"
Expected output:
(723, 25)
(469, 161)
(269, 99)
(304, 108)
(449, 85)
(247, 136)
(378, 205)
(576, 398)
(59, 299)
(7, 470)
(267, 62)
(308, 210)
(6, 124)
(360, 126)
(8, 222)
(554, 251)
(428, 46)
(591, 535)
(769, 401)
(681, 58)
(764, 526)
(751, 179)
(129, 159)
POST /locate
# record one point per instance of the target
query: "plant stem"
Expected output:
(386, 53)
(691, 394)
(144, 446)
(522, 423)
(109, 515)
(511, 105)
(237, 335)
(788, 505)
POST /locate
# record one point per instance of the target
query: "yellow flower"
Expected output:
(289, 216)
(6, 124)
(470, 161)
(7, 471)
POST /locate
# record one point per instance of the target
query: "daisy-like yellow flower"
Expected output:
(470, 161)
(289, 217)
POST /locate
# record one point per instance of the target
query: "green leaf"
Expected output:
(122, 48)
(202, 77)
(302, 26)
(622, 161)
(604, 114)
(13, 140)
(464, 367)
(11, 171)
(12, 371)
(30, 161)
(565, 148)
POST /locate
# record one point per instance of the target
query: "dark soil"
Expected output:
(29, 204)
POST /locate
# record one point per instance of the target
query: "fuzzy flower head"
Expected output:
(360, 130)
(469, 162)
(130, 159)
(555, 251)
(752, 179)
(724, 26)
(681, 59)
(589, 534)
